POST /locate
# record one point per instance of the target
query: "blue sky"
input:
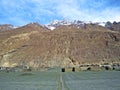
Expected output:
(21, 12)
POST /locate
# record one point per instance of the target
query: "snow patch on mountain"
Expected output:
(54, 24)
(102, 24)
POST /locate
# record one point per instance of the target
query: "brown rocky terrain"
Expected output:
(66, 46)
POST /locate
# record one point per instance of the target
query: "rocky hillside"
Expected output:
(66, 46)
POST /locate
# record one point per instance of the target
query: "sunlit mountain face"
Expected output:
(67, 44)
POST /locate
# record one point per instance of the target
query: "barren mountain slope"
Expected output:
(66, 46)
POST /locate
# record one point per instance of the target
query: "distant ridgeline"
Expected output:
(115, 26)
(6, 27)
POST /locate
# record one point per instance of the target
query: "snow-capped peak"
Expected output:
(57, 23)
(54, 24)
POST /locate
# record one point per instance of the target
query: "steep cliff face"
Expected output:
(66, 46)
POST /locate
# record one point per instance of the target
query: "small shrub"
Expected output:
(63, 69)
(89, 68)
(73, 69)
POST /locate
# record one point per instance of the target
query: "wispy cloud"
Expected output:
(20, 12)
(90, 10)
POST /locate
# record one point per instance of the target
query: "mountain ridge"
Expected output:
(66, 46)
(57, 23)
